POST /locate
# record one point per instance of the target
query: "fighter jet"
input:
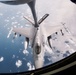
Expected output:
(37, 35)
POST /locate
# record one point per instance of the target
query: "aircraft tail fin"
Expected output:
(43, 18)
(39, 22)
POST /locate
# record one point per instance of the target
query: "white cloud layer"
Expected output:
(18, 63)
(31, 67)
(1, 59)
(25, 52)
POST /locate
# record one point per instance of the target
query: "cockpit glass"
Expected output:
(38, 49)
(13, 55)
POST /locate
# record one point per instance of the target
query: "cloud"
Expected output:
(25, 52)
(1, 14)
(14, 23)
(1, 59)
(62, 47)
(18, 63)
(12, 18)
(31, 67)
(13, 56)
(6, 20)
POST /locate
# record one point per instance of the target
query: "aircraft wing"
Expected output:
(52, 29)
(26, 31)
